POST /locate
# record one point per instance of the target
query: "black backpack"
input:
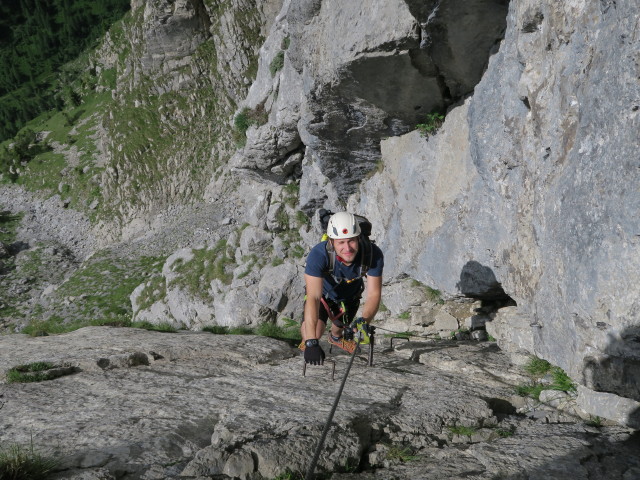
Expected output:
(365, 242)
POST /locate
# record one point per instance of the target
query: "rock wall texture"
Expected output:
(148, 405)
(530, 191)
(525, 199)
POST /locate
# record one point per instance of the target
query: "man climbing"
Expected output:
(335, 292)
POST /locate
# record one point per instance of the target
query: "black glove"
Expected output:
(313, 354)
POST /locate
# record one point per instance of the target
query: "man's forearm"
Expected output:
(370, 308)
(310, 318)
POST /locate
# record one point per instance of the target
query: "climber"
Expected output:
(339, 289)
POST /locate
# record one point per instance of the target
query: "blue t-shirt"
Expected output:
(338, 289)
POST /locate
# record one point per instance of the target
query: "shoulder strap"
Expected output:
(367, 255)
(331, 254)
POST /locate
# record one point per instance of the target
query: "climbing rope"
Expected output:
(316, 455)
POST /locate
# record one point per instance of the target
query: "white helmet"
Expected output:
(343, 225)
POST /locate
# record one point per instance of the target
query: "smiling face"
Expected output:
(346, 248)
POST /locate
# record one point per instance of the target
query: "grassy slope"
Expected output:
(157, 149)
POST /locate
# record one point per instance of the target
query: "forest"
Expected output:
(37, 37)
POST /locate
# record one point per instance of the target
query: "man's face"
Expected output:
(346, 248)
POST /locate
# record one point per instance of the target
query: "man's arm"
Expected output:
(374, 295)
(312, 307)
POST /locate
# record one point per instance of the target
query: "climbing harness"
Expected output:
(314, 461)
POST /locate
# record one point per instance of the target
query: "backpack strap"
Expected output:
(331, 254)
(367, 255)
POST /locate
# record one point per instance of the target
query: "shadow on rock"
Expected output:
(617, 369)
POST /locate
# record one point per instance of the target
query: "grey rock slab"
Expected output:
(154, 405)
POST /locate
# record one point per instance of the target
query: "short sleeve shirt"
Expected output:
(337, 287)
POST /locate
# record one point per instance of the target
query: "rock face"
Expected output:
(526, 199)
(337, 77)
(152, 405)
(527, 195)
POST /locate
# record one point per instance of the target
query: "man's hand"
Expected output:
(365, 325)
(313, 354)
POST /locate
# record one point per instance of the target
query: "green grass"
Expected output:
(196, 274)
(244, 119)
(8, 226)
(277, 63)
(161, 327)
(503, 433)
(289, 475)
(538, 368)
(18, 462)
(432, 123)
(530, 390)
(595, 421)
(561, 381)
(405, 315)
(462, 430)
(290, 332)
(400, 453)
(31, 372)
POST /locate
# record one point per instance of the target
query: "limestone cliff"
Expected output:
(527, 197)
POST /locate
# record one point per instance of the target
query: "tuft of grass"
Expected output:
(290, 332)
(432, 123)
(504, 433)
(31, 372)
(405, 315)
(18, 462)
(277, 63)
(462, 430)
(297, 251)
(595, 421)
(216, 329)
(537, 367)
(161, 327)
(530, 390)
(434, 295)
(400, 453)
(289, 475)
(561, 381)
(244, 119)
(9, 223)
(240, 331)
